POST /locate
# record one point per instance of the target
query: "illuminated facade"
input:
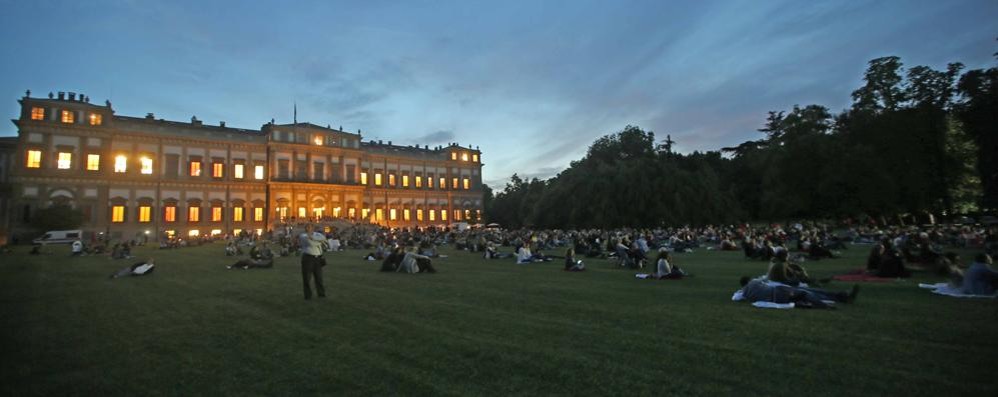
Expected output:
(131, 175)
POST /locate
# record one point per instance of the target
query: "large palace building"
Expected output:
(131, 175)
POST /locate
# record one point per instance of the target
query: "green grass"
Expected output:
(476, 328)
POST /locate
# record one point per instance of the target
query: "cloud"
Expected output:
(435, 137)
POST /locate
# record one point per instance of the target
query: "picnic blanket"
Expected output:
(949, 290)
(644, 276)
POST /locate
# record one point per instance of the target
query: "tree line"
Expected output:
(918, 142)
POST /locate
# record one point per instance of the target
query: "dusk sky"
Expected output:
(532, 83)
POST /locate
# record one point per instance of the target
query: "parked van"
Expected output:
(59, 237)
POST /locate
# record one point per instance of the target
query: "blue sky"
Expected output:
(532, 83)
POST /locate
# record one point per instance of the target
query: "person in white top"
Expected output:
(311, 244)
(77, 248)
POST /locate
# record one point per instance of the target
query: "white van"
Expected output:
(59, 237)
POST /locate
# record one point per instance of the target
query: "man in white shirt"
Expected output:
(311, 243)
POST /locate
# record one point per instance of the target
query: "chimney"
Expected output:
(380, 142)
(221, 124)
(62, 96)
(427, 147)
(50, 95)
(72, 96)
(195, 121)
(389, 143)
(150, 116)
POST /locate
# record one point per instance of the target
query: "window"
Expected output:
(453, 155)
(467, 183)
(237, 214)
(145, 213)
(68, 116)
(405, 214)
(38, 113)
(443, 183)
(365, 212)
(95, 119)
(391, 180)
(172, 166)
(93, 162)
(478, 215)
(318, 171)
(377, 179)
(405, 180)
(443, 215)
(363, 178)
(351, 213)
(433, 215)
(216, 214)
(317, 140)
(453, 183)
(145, 165)
(120, 163)
(118, 214)
(194, 233)
(419, 215)
(467, 215)
(237, 171)
(64, 161)
(457, 215)
(34, 159)
(429, 181)
(258, 214)
(392, 214)
(474, 158)
(258, 172)
(193, 214)
(195, 168)
(336, 212)
(464, 156)
(317, 212)
(170, 213)
(301, 212)
(282, 213)
(419, 181)
(217, 169)
(379, 214)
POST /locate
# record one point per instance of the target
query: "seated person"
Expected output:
(980, 279)
(891, 265)
(261, 251)
(77, 248)
(415, 263)
(571, 264)
(392, 262)
(428, 249)
(138, 269)
(782, 271)
(524, 255)
(36, 249)
(666, 268)
(759, 290)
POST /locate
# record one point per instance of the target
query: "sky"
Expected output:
(531, 83)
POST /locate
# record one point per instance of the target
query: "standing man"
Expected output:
(311, 260)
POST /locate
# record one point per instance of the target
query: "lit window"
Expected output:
(64, 161)
(467, 183)
(351, 213)
(363, 178)
(145, 165)
(93, 162)
(464, 156)
(170, 233)
(118, 214)
(392, 214)
(429, 182)
(379, 214)
(453, 183)
(419, 215)
(193, 214)
(95, 119)
(377, 179)
(317, 212)
(433, 215)
(301, 212)
(391, 179)
(259, 232)
(237, 171)
(282, 213)
(336, 212)
(68, 116)
(195, 168)
(237, 214)
(145, 213)
(34, 159)
(467, 214)
(318, 140)
(258, 172)
(474, 158)
(258, 214)
(215, 232)
(236, 232)
(419, 181)
(365, 212)
(37, 113)
(453, 155)
(443, 183)
(457, 215)
(217, 170)
(478, 215)
(194, 233)
(405, 214)
(216, 214)
(443, 215)
(170, 213)
(405, 180)
(120, 163)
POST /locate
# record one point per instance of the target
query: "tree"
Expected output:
(57, 217)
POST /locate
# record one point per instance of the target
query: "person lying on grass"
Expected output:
(138, 269)
(252, 264)
(571, 264)
(760, 290)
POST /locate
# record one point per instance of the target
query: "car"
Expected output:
(59, 237)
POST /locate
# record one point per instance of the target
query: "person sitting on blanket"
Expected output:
(571, 264)
(391, 263)
(889, 264)
(782, 271)
(665, 267)
(980, 278)
(261, 251)
(138, 269)
(758, 290)
(415, 263)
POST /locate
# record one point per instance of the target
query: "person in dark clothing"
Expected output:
(571, 264)
(392, 261)
(758, 290)
(312, 261)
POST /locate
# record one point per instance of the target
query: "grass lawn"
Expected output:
(476, 328)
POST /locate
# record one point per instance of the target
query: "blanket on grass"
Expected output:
(644, 276)
(949, 290)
